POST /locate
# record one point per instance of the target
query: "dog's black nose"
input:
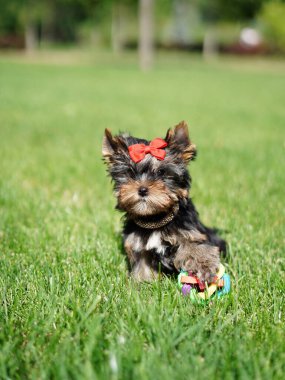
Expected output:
(143, 191)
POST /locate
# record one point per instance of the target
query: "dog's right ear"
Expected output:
(113, 145)
(109, 145)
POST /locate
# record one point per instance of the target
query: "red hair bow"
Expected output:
(138, 151)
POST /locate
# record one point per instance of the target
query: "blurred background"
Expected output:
(206, 27)
(68, 70)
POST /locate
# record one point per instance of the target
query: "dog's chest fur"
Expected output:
(153, 243)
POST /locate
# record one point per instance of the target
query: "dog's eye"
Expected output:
(128, 173)
(161, 172)
(122, 173)
(168, 173)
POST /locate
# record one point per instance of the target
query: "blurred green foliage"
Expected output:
(96, 20)
(214, 10)
(58, 18)
(272, 19)
(9, 17)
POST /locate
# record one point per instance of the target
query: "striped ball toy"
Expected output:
(201, 292)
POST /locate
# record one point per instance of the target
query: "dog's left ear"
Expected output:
(178, 140)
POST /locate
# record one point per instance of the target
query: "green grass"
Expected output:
(68, 309)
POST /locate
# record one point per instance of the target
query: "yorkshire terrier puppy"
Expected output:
(162, 230)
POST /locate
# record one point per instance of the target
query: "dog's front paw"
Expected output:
(203, 260)
(206, 273)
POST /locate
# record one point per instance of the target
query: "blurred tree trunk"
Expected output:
(146, 43)
(117, 24)
(180, 15)
(210, 48)
(31, 37)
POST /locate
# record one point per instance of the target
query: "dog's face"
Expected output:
(150, 186)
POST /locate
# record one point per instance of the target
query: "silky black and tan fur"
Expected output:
(162, 230)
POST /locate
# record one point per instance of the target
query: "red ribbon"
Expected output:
(138, 151)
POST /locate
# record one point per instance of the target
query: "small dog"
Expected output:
(162, 230)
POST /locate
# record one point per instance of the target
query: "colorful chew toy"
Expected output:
(200, 291)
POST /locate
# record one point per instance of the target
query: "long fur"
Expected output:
(183, 243)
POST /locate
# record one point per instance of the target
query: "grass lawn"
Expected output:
(68, 309)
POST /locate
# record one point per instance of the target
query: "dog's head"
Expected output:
(152, 183)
